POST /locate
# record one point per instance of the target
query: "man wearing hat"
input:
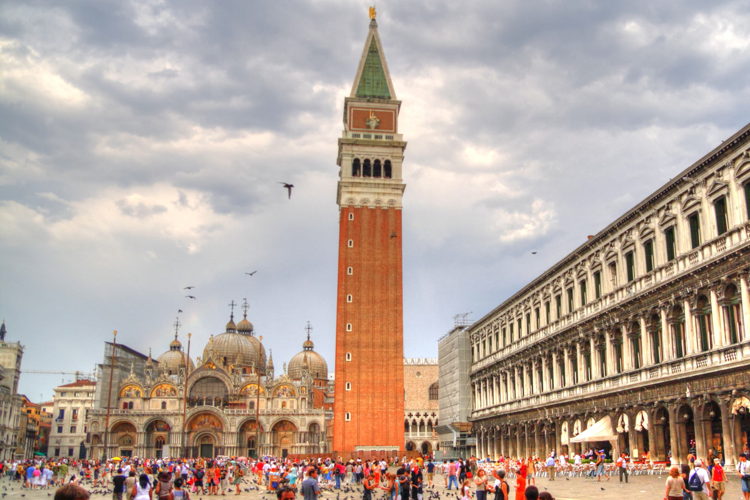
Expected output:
(699, 475)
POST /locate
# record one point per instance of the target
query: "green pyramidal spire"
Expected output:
(373, 81)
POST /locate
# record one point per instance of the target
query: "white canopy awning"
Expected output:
(600, 431)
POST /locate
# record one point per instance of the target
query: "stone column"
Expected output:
(544, 383)
(610, 353)
(627, 349)
(700, 435)
(568, 363)
(667, 349)
(518, 442)
(647, 350)
(555, 371)
(595, 366)
(495, 390)
(581, 363)
(691, 343)
(673, 438)
(727, 423)
(745, 297)
(716, 321)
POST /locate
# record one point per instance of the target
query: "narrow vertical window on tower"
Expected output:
(348, 327)
(376, 169)
(387, 171)
(350, 243)
(348, 386)
(349, 298)
(347, 416)
(367, 169)
(349, 270)
(351, 216)
(356, 167)
(348, 356)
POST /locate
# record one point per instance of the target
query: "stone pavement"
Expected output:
(639, 488)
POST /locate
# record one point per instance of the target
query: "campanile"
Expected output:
(369, 399)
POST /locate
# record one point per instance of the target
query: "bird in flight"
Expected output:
(179, 311)
(533, 253)
(188, 287)
(250, 274)
(190, 297)
(288, 188)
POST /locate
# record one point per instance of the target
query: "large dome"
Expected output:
(236, 349)
(307, 360)
(174, 360)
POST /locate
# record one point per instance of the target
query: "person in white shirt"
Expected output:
(743, 469)
(702, 473)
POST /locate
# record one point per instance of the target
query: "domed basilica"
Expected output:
(229, 402)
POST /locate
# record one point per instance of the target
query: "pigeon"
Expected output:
(190, 297)
(288, 188)
(534, 252)
(188, 287)
(252, 273)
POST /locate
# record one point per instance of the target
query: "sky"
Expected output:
(142, 144)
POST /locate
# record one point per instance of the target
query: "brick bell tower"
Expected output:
(369, 398)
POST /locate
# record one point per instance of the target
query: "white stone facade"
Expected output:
(72, 404)
(644, 325)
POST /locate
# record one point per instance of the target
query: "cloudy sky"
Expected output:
(141, 146)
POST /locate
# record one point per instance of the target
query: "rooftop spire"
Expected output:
(3, 331)
(245, 307)
(373, 79)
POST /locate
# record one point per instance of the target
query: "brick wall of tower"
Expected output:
(375, 342)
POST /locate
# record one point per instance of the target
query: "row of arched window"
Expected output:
(368, 168)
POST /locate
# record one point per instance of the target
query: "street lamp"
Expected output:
(109, 394)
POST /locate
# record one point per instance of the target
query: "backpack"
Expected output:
(695, 483)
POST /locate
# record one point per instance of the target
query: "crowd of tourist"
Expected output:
(393, 479)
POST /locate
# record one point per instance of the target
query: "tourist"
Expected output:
(129, 485)
(163, 487)
(675, 485)
(480, 482)
(416, 483)
(177, 492)
(521, 478)
(452, 477)
(310, 487)
(600, 465)
(430, 473)
(142, 489)
(465, 490)
(718, 480)
(71, 492)
(501, 487)
(118, 485)
(622, 466)
(550, 464)
(285, 493)
(531, 493)
(368, 484)
(698, 481)
(546, 495)
(743, 469)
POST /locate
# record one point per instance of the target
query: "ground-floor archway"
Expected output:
(283, 437)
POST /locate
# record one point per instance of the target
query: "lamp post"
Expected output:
(109, 394)
(185, 398)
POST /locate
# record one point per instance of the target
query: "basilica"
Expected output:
(229, 402)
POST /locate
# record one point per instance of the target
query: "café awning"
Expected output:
(600, 431)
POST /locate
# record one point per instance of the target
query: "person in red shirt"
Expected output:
(718, 479)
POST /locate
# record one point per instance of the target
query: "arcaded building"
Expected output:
(637, 340)
(229, 402)
(421, 393)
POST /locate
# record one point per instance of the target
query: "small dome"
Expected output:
(175, 345)
(173, 360)
(307, 360)
(244, 326)
(231, 327)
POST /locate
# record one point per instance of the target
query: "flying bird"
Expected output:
(190, 296)
(179, 311)
(189, 287)
(533, 253)
(252, 273)
(288, 188)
